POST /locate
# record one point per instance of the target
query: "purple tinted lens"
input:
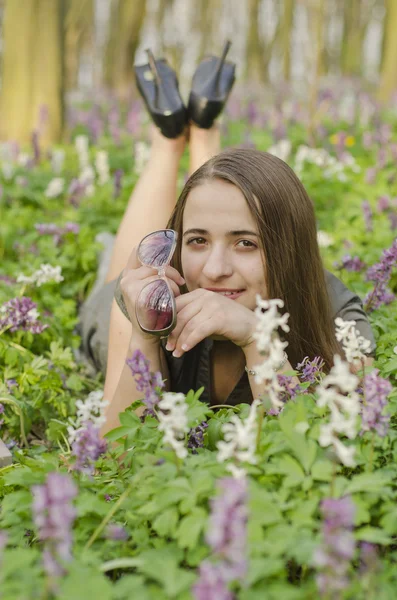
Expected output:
(156, 249)
(155, 306)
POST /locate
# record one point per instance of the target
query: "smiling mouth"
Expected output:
(227, 293)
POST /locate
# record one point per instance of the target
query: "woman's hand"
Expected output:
(202, 313)
(135, 278)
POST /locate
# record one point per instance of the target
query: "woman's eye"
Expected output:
(198, 241)
(246, 244)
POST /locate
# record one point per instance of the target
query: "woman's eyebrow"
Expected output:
(235, 232)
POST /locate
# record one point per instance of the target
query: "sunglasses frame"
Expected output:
(162, 333)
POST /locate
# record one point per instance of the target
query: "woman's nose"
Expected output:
(217, 265)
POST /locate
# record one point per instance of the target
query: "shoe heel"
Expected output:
(158, 85)
(211, 86)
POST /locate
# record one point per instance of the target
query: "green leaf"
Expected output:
(322, 470)
(166, 522)
(261, 568)
(74, 383)
(162, 566)
(373, 535)
(288, 466)
(191, 527)
(368, 482)
(74, 585)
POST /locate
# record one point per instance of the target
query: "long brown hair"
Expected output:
(287, 227)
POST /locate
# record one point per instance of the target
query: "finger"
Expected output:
(183, 317)
(195, 331)
(186, 299)
(141, 277)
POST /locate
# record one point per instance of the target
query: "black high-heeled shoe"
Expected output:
(211, 85)
(158, 85)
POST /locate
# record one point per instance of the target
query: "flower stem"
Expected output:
(261, 414)
(333, 480)
(107, 518)
(371, 453)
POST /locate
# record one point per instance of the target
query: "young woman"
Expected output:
(245, 226)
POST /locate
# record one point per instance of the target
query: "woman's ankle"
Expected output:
(203, 145)
(161, 144)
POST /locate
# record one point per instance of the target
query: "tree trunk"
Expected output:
(125, 26)
(286, 32)
(388, 79)
(354, 28)
(255, 59)
(32, 69)
(79, 24)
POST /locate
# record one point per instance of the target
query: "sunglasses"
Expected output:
(155, 307)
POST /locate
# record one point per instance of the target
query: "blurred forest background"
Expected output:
(53, 52)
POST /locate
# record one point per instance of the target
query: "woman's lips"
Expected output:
(232, 294)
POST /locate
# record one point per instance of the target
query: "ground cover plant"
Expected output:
(294, 497)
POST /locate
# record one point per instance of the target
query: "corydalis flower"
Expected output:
(380, 273)
(354, 345)
(147, 382)
(332, 558)
(311, 370)
(90, 410)
(337, 392)
(53, 516)
(376, 390)
(116, 533)
(196, 437)
(102, 166)
(172, 418)
(57, 231)
(46, 274)
(117, 181)
(368, 216)
(350, 263)
(239, 442)
(87, 447)
(20, 314)
(55, 187)
(270, 346)
(227, 538)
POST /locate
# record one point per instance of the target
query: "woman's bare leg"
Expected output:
(203, 144)
(152, 201)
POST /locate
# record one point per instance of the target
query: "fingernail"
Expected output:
(176, 354)
(184, 347)
(169, 346)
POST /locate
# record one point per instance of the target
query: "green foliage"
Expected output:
(163, 503)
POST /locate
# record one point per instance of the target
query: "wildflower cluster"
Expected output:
(333, 557)
(20, 314)
(239, 442)
(270, 346)
(380, 273)
(196, 437)
(147, 382)
(376, 390)
(46, 274)
(55, 187)
(311, 370)
(57, 231)
(84, 439)
(354, 345)
(53, 515)
(172, 418)
(227, 538)
(337, 391)
(350, 263)
(330, 165)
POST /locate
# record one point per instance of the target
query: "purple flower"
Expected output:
(36, 147)
(1, 409)
(393, 221)
(196, 437)
(368, 216)
(145, 380)
(380, 273)
(227, 533)
(211, 584)
(57, 231)
(107, 497)
(118, 176)
(53, 516)
(76, 192)
(87, 447)
(3, 543)
(116, 533)
(383, 203)
(311, 371)
(20, 314)
(370, 175)
(376, 390)
(350, 263)
(333, 557)
(368, 558)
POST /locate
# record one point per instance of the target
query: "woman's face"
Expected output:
(220, 246)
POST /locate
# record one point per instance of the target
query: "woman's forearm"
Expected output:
(253, 358)
(126, 392)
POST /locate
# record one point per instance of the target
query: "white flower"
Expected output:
(174, 422)
(102, 166)
(57, 160)
(23, 159)
(354, 344)
(7, 170)
(55, 187)
(81, 143)
(282, 149)
(91, 409)
(395, 349)
(324, 239)
(45, 274)
(239, 441)
(87, 178)
(269, 320)
(337, 392)
(141, 155)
